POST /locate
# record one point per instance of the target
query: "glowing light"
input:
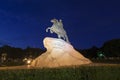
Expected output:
(28, 61)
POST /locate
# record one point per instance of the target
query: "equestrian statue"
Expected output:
(57, 28)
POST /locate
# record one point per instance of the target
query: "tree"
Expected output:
(111, 48)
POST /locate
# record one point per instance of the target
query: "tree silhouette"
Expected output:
(112, 48)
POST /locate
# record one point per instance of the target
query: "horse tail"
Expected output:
(67, 40)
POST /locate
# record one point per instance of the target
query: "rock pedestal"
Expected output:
(59, 53)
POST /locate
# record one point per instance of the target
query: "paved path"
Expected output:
(28, 67)
(15, 67)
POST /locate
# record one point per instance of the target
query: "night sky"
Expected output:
(87, 23)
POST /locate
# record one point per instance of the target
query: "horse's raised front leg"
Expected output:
(51, 31)
(48, 29)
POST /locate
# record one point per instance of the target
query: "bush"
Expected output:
(75, 73)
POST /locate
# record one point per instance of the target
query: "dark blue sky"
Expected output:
(87, 22)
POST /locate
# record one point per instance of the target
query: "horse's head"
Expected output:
(54, 20)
